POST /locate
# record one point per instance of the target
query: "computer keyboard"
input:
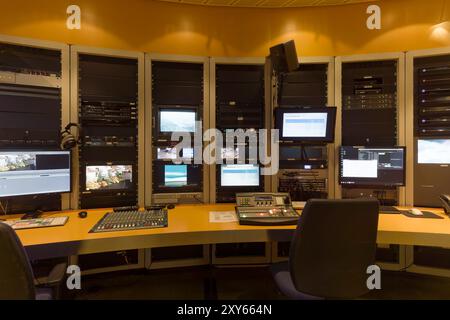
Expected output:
(37, 223)
(131, 220)
(388, 209)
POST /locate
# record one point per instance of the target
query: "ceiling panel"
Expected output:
(268, 3)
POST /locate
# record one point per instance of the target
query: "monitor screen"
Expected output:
(175, 175)
(305, 125)
(230, 153)
(177, 121)
(171, 154)
(34, 172)
(366, 166)
(239, 175)
(314, 124)
(109, 177)
(433, 151)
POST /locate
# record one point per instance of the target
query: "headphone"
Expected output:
(68, 140)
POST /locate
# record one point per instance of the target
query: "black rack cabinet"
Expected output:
(176, 87)
(307, 87)
(240, 104)
(108, 115)
(369, 103)
(431, 122)
(30, 109)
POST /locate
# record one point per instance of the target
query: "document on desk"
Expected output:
(222, 216)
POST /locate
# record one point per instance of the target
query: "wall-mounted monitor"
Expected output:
(239, 175)
(177, 121)
(169, 153)
(34, 172)
(230, 153)
(306, 124)
(176, 178)
(372, 166)
(175, 175)
(108, 177)
(433, 151)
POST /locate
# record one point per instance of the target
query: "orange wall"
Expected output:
(151, 26)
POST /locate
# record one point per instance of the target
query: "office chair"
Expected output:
(16, 275)
(334, 243)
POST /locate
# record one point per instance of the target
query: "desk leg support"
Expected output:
(210, 284)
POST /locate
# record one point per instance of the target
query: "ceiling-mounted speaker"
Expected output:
(284, 57)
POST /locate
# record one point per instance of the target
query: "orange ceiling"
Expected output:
(268, 3)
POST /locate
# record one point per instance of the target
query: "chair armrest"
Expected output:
(55, 277)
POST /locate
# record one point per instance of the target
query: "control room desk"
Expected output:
(189, 225)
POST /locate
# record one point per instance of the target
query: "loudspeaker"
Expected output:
(68, 140)
(284, 57)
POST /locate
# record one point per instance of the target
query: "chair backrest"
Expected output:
(333, 245)
(16, 275)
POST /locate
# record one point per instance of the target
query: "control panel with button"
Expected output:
(263, 208)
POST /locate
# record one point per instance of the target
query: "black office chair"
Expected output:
(16, 275)
(333, 245)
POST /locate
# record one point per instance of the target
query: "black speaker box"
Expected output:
(284, 57)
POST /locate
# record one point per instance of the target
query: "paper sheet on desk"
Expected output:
(222, 216)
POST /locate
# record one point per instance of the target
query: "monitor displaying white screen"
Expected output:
(305, 125)
(175, 175)
(177, 121)
(109, 177)
(34, 172)
(359, 168)
(239, 175)
(433, 151)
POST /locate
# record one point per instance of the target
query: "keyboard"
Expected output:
(37, 223)
(131, 220)
(389, 209)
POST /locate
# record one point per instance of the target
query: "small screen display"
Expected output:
(230, 153)
(171, 154)
(109, 177)
(237, 175)
(177, 121)
(433, 151)
(305, 125)
(175, 175)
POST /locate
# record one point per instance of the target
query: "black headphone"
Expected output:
(68, 140)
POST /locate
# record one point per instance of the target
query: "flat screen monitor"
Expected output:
(239, 175)
(433, 151)
(230, 153)
(175, 175)
(109, 177)
(306, 125)
(34, 172)
(372, 166)
(177, 121)
(171, 153)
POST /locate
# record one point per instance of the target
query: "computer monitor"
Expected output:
(306, 125)
(177, 121)
(239, 175)
(433, 151)
(109, 177)
(230, 153)
(170, 153)
(175, 175)
(372, 166)
(34, 172)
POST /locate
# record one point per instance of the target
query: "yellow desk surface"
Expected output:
(189, 224)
